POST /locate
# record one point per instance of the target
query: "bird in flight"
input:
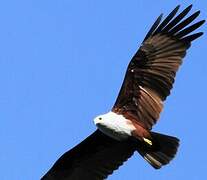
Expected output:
(127, 127)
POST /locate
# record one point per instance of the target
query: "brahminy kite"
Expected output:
(127, 127)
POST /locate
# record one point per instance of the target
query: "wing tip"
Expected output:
(154, 26)
(190, 7)
(175, 26)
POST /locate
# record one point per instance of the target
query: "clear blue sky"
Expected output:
(62, 62)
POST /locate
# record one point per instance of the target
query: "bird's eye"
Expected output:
(100, 118)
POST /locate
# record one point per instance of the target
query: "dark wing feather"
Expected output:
(94, 158)
(151, 72)
(177, 19)
(154, 26)
(167, 20)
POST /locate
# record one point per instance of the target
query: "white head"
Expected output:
(114, 125)
(105, 118)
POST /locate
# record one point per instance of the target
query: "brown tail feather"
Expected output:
(161, 152)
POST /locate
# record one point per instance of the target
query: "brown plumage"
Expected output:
(151, 72)
(149, 78)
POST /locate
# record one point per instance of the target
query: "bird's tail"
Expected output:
(159, 150)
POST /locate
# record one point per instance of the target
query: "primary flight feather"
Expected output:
(127, 127)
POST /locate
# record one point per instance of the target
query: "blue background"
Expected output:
(62, 63)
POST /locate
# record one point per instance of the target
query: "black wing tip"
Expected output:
(178, 6)
(160, 17)
(189, 29)
(169, 17)
(197, 13)
(192, 37)
(201, 23)
(189, 7)
(175, 25)
(199, 34)
(154, 26)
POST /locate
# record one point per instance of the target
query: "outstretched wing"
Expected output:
(151, 72)
(94, 158)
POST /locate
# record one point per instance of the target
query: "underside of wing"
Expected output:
(151, 72)
(94, 158)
